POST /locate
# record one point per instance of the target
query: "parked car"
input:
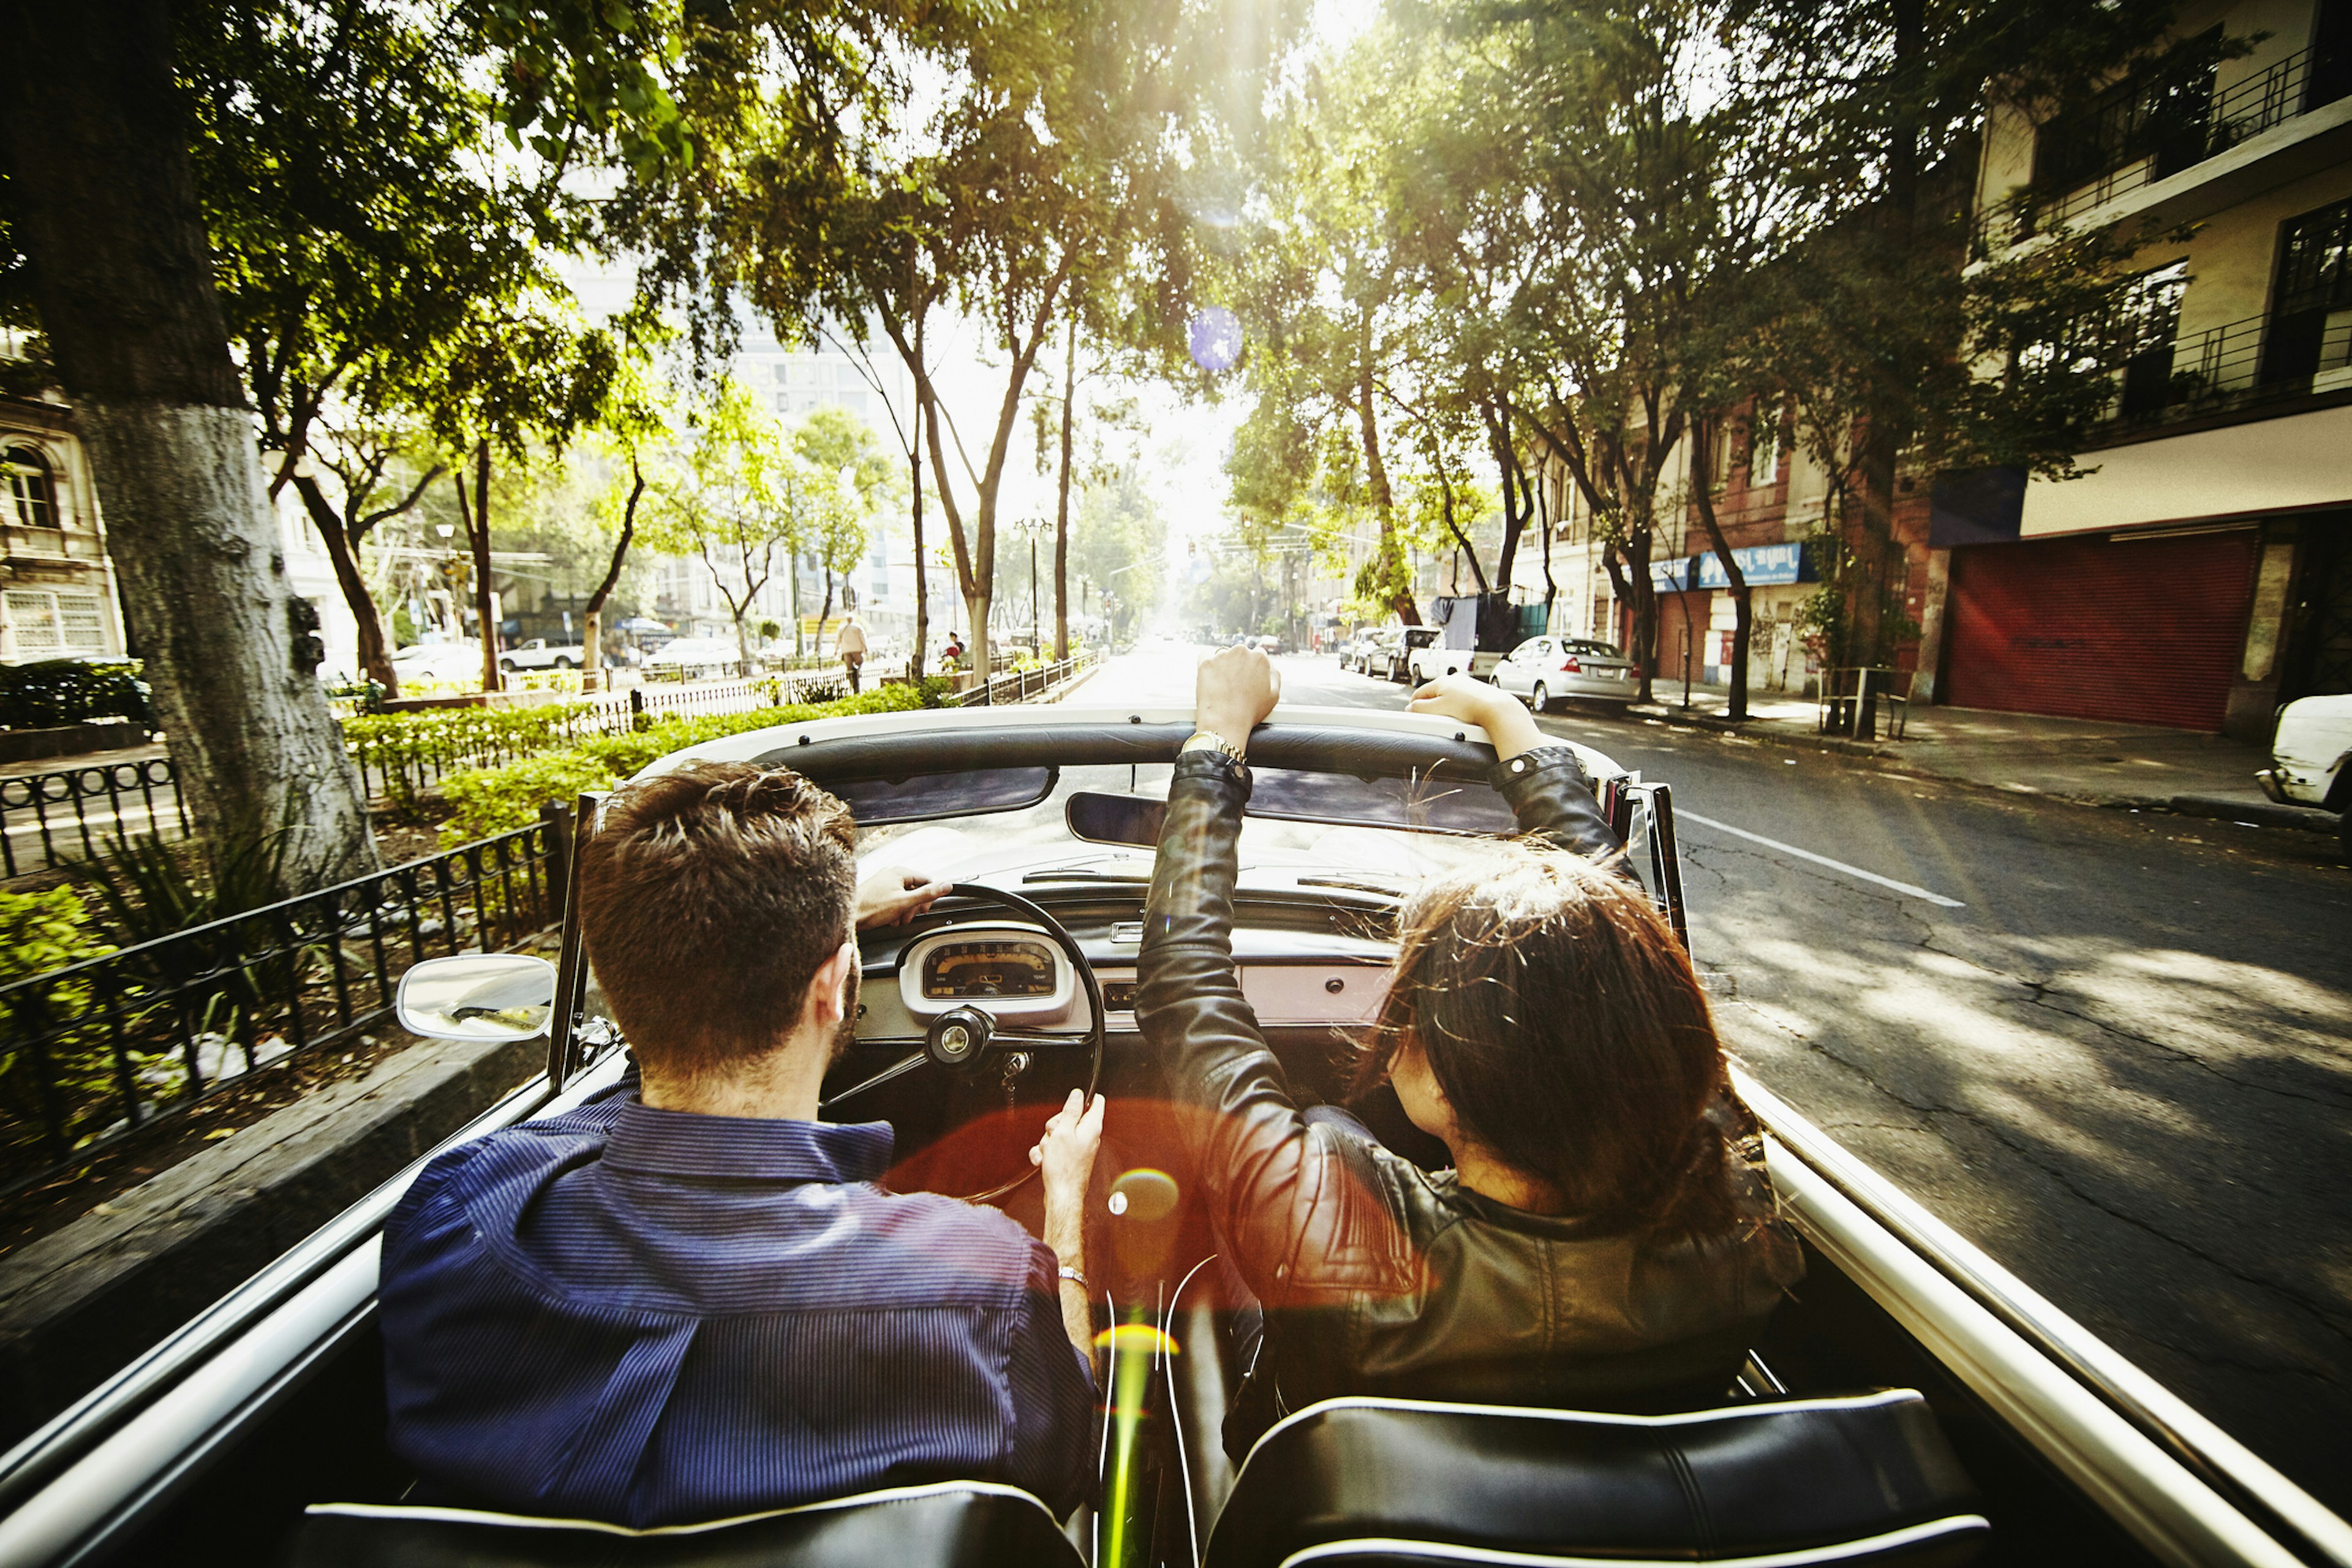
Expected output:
(540, 654)
(694, 655)
(443, 663)
(1269, 645)
(2311, 759)
(1541, 670)
(1426, 658)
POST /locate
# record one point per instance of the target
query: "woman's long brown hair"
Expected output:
(1570, 1034)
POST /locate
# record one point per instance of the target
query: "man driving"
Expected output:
(690, 1299)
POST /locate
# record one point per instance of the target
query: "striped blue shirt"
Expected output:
(651, 1317)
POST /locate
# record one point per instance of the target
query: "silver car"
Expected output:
(1541, 670)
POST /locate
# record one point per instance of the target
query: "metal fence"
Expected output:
(100, 1049)
(1020, 685)
(46, 818)
(2243, 110)
(2261, 359)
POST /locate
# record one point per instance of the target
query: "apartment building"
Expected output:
(2203, 574)
(57, 585)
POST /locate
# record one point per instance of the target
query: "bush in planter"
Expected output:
(58, 692)
(498, 800)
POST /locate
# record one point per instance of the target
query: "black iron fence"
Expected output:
(72, 812)
(2302, 81)
(1020, 685)
(100, 1049)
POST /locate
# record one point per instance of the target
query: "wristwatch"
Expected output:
(1210, 741)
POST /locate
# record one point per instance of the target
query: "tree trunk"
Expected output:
(922, 566)
(1062, 504)
(1396, 574)
(106, 213)
(375, 659)
(591, 651)
(1706, 435)
(478, 536)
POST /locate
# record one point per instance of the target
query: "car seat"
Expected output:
(954, 1524)
(1381, 1483)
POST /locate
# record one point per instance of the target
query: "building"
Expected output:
(2203, 574)
(58, 596)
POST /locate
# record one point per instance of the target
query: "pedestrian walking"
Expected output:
(850, 644)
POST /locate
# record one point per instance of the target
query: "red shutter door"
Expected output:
(2144, 632)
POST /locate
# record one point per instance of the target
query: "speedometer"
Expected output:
(965, 971)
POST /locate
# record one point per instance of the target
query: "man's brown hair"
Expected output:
(708, 899)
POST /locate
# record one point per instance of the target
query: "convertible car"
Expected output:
(1913, 1402)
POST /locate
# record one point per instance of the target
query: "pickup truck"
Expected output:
(2311, 760)
(1427, 660)
(537, 655)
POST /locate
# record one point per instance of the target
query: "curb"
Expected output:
(1675, 719)
(2256, 812)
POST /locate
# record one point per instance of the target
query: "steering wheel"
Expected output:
(962, 1038)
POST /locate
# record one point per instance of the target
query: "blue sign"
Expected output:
(1762, 564)
(1669, 577)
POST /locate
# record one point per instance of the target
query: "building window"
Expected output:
(46, 625)
(32, 485)
(2314, 282)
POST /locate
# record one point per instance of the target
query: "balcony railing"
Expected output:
(2242, 365)
(2301, 82)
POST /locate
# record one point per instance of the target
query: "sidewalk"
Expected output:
(2094, 762)
(79, 760)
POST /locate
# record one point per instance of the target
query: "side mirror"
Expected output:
(1096, 818)
(477, 996)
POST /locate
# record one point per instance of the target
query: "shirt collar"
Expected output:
(746, 1148)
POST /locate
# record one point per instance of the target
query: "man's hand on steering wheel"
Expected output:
(894, 895)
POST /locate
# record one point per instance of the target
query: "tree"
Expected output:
(104, 205)
(1120, 542)
(732, 499)
(832, 441)
(1885, 323)
(358, 217)
(1332, 307)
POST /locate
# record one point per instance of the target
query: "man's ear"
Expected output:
(822, 1005)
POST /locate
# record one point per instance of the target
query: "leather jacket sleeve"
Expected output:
(1555, 802)
(1298, 1208)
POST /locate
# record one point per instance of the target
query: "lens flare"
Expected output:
(1216, 339)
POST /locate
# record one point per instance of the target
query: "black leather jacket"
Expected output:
(1380, 1279)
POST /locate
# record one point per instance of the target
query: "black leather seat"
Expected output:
(1354, 1483)
(955, 1524)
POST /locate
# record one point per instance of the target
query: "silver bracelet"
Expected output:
(1067, 1272)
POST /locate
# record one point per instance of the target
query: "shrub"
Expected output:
(500, 799)
(57, 691)
(40, 933)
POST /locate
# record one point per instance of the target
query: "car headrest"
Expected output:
(954, 1524)
(1393, 1481)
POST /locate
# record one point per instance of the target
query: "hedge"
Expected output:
(495, 800)
(60, 691)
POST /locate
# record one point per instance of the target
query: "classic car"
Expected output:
(2311, 759)
(1911, 1401)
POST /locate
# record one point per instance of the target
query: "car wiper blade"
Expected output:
(1085, 874)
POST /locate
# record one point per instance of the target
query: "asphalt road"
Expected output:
(2112, 1050)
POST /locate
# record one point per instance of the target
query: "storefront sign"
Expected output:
(1762, 564)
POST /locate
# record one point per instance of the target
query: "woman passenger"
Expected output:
(1606, 1238)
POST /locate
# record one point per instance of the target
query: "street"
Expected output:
(2113, 1049)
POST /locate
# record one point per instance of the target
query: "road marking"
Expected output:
(1903, 888)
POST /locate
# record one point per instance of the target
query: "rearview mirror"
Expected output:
(477, 996)
(1114, 818)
